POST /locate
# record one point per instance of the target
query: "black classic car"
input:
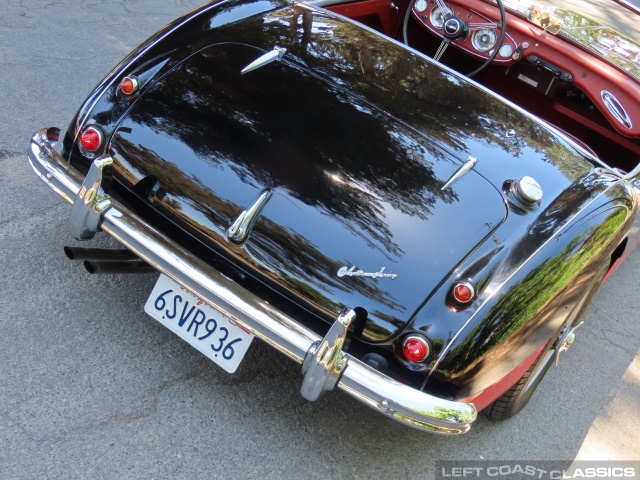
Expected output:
(423, 233)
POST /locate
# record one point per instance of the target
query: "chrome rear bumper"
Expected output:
(400, 402)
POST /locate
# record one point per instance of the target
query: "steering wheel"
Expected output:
(454, 28)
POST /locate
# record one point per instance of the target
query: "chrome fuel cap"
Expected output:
(527, 190)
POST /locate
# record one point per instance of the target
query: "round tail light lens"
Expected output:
(91, 139)
(463, 293)
(129, 85)
(415, 349)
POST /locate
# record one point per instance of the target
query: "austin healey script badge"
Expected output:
(354, 272)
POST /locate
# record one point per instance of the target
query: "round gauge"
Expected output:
(440, 15)
(484, 40)
(506, 50)
(421, 5)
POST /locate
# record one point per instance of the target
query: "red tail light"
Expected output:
(91, 139)
(462, 293)
(129, 85)
(415, 349)
(53, 134)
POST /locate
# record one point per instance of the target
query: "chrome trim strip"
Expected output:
(632, 174)
(324, 3)
(634, 8)
(400, 402)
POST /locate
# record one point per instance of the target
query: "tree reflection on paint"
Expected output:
(525, 301)
(320, 139)
(288, 248)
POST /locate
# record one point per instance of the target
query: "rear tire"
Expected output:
(519, 395)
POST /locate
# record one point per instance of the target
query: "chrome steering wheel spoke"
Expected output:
(443, 6)
(455, 28)
(482, 25)
(441, 49)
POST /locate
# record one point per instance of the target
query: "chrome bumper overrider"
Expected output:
(325, 364)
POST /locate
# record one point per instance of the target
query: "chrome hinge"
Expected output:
(458, 174)
(240, 229)
(275, 54)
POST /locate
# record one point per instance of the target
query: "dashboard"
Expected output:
(611, 91)
(483, 34)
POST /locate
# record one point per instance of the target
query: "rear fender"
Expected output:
(539, 300)
(152, 59)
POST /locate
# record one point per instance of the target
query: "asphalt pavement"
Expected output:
(91, 387)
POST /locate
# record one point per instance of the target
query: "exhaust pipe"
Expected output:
(102, 254)
(104, 266)
(108, 260)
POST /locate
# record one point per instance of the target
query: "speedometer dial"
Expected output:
(440, 15)
(484, 40)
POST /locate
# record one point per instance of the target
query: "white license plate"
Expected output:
(198, 323)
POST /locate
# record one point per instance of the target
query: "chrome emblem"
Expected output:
(354, 272)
